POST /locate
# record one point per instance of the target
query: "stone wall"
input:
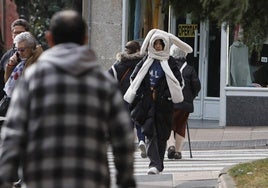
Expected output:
(8, 13)
(246, 111)
(105, 28)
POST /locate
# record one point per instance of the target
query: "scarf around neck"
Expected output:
(173, 84)
(13, 79)
(148, 45)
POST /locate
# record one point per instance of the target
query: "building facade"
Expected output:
(234, 81)
(234, 78)
(8, 13)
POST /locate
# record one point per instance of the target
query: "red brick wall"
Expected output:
(8, 13)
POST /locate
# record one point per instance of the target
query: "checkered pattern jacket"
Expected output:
(64, 113)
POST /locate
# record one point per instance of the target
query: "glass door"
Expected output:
(208, 53)
(206, 61)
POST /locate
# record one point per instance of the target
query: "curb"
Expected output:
(224, 180)
(232, 144)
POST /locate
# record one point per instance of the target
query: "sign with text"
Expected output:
(187, 30)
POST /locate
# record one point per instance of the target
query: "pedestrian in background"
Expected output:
(155, 87)
(182, 110)
(64, 113)
(17, 27)
(27, 52)
(121, 71)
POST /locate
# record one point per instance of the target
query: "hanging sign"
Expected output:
(187, 30)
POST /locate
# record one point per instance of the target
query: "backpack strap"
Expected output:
(124, 75)
(181, 69)
(114, 73)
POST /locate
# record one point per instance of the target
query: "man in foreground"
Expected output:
(63, 113)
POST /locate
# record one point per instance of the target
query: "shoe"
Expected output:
(171, 152)
(142, 148)
(17, 184)
(177, 155)
(152, 171)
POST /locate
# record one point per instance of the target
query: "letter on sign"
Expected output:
(187, 30)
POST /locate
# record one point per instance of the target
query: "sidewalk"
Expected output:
(229, 137)
(208, 135)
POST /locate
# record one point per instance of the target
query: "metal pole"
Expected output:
(86, 12)
(124, 24)
(189, 140)
(169, 18)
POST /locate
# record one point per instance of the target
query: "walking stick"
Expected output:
(189, 140)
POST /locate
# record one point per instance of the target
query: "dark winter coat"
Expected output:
(191, 88)
(163, 106)
(3, 62)
(124, 66)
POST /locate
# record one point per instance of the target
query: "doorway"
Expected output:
(206, 43)
(206, 61)
(207, 103)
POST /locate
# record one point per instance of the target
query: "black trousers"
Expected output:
(157, 140)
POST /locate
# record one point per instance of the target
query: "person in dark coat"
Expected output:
(121, 71)
(182, 110)
(17, 27)
(154, 87)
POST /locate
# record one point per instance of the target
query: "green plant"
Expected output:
(39, 12)
(250, 14)
(251, 175)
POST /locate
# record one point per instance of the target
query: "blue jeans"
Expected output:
(140, 136)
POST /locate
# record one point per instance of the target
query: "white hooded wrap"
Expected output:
(163, 56)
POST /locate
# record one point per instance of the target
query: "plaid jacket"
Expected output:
(61, 118)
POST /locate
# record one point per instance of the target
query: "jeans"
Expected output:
(140, 135)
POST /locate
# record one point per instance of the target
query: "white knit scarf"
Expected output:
(148, 44)
(13, 79)
(173, 84)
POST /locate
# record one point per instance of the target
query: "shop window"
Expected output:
(260, 75)
(144, 15)
(247, 67)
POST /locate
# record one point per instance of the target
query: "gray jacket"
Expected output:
(62, 114)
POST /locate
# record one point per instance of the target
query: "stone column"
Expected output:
(105, 28)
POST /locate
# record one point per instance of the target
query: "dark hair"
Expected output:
(161, 42)
(133, 46)
(21, 22)
(68, 26)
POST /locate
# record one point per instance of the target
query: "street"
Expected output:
(200, 171)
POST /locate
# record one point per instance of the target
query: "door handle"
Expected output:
(196, 34)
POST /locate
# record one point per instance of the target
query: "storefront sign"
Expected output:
(187, 30)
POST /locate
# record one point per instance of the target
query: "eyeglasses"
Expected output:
(17, 32)
(20, 49)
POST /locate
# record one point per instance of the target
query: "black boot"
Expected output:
(171, 152)
(177, 155)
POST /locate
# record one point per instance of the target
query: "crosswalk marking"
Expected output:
(204, 167)
(203, 160)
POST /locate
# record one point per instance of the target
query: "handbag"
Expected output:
(139, 109)
(4, 104)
